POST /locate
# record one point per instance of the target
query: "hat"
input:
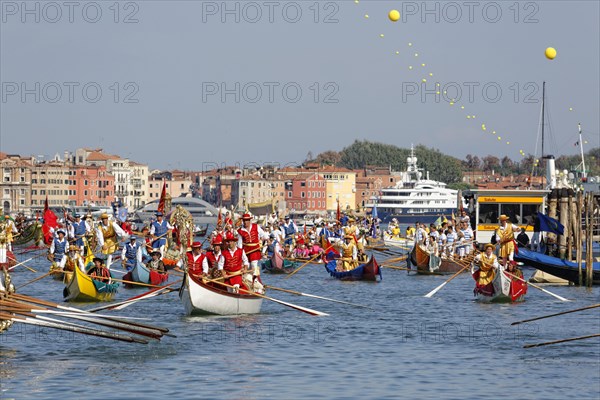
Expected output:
(348, 237)
(504, 218)
(246, 217)
(73, 248)
(132, 237)
(77, 216)
(217, 240)
(272, 235)
(287, 217)
(61, 231)
(98, 259)
(159, 214)
(489, 245)
(196, 245)
(230, 237)
(104, 215)
(154, 253)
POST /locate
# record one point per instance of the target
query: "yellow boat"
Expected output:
(82, 287)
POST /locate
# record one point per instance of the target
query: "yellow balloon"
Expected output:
(550, 53)
(394, 15)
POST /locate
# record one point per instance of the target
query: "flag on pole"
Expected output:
(548, 224)
(161, 202)
(338, 214)
(50, 223)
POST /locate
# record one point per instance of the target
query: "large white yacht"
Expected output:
(413, 199)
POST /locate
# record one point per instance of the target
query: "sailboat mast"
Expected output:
(583, 174)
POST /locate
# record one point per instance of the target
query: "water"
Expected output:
(407, 346)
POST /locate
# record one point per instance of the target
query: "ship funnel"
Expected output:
(550, 172)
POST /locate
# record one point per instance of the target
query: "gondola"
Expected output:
(364, 272)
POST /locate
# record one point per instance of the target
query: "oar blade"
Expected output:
(434, 291)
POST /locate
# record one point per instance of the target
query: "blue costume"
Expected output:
(160, 229)
(59, 249)
(79, 231)
(131, 255)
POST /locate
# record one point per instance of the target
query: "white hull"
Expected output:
(202, 299)
(399, 242)
(501, 290)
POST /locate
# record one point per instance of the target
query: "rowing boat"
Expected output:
(278, 265)
(447, 266)
(364, 272)
(82, 287)
(141, 273)
(203, 298)
(502, 289)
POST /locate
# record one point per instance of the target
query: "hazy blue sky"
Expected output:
(175, 57)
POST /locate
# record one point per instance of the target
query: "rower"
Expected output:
(250, 237)
(107, 233)
(506, 238)
(131, 254)
(158, 230)
(73, 260)
(99, 272)
(77, 232)
(213, 260)
(58, 248)
(195, 259)
(484, 276)
(349, 258)
(11, 231)
(235, 263)
(156, 263)
(288, 228)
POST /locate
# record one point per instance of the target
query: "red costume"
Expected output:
(195, 267)
(251, 242)
(233, 264)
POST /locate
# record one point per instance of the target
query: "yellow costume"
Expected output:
(110, 239)
(506, 240)
(348, 262)
(487, 272)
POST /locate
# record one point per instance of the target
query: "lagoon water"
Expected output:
(406, 346)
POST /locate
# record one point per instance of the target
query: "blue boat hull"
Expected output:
(364, 272)
(555, 266)
(411, 219)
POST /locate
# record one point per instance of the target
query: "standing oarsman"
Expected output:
(108, 233)
(250, 237)
(77, 232)
(213, 261)
(235, 263)
(349, 254)
(59, 247)
(131, 254)
(159, 230)
(506, 238)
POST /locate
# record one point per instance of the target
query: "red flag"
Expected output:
(161, 202)
(338, 215)
(328, 247)
(50, 222)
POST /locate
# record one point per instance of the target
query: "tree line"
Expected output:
(442, 167)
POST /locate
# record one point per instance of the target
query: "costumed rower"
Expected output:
(11, 231)
(99, 272)
(235, 262)
(250, 237)
(78, 231)
(73, 260)
(212, 264)
(58, 249)
(156, 263)
(506, 237)
(484, 276)
(349, 254)
(195, 258)
(159, 229)
(289, 229)
(107, 233)
(131, 254)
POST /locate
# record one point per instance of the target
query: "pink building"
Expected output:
(91, 185)
(306, 192)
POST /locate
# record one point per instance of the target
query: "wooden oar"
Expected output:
(395, 267)
(527, 346)
(296, 307)
(302, 266)
(36, 279)
(138, 283)
(122, 304)
(437, 289)
(23, 309)
(77, 310)
(315, 296)
(70, 328)
(21, 263)
(554, 315)
(537, 287)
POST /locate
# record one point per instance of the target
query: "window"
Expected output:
(85, 192)
(85, 182)
(22, 192)
(6, 191)
(22, 179)
(290, 195)
(302, 194)
(22, 202)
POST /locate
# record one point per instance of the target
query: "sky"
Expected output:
(195, 84)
